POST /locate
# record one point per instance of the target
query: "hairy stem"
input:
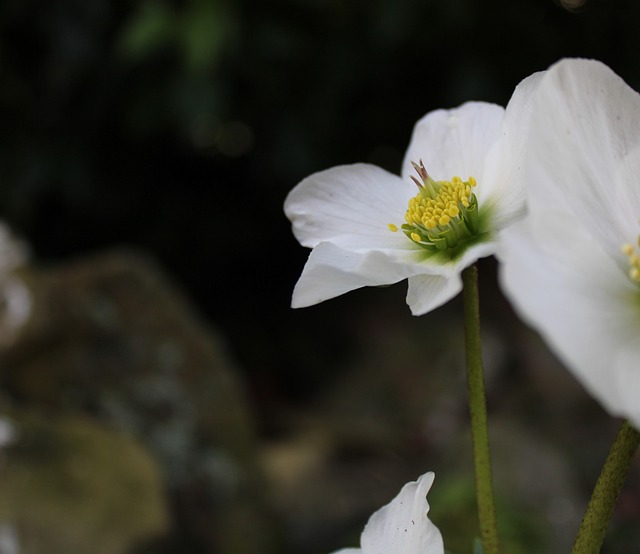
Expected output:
(478, 412)
(603, 499)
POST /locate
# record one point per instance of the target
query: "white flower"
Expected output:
(363, 230)
(402, 526)
(572, 267)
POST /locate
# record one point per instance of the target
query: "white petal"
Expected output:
(628, 196)
(430, 289)
(428, 292)
(503, 189)
(331, 271)
(352, 207)
(563, 268)
(574, 294)
(403, 526)
(348, 551)
(585, 137)
(627, 376)
(455, 142)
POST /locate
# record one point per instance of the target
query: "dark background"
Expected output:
(178, 127)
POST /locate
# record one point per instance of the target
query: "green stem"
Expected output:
(603, 499)
(478, 411)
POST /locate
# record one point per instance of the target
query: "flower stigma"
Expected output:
(442, 213)
(630, 251)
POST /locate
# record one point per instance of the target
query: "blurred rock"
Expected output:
(110, 336)
(15, 299)
(64, 491)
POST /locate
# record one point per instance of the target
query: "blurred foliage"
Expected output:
(454, 513)
(199, 32)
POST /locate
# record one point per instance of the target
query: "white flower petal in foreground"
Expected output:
(572, 267)
(402, 526)
(369, 227)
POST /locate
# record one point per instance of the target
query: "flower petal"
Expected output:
(351, 206)
(627, 376)
(586, 139)
(502, 190)
(455, 142)
(574, 294)
(562, 268)
(403, 525)
(331, 271)
(428, 292)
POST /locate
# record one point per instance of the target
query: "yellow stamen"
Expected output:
(442, 213)
(627, 249)
(451, 197)
(634, 260)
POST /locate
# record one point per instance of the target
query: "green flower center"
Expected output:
(442, 214)
(631, 252)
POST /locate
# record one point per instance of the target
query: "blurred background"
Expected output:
(158, 393)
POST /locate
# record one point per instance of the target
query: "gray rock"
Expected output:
(111, 337)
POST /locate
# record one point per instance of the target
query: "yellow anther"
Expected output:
(439, 208)
(634, 260)
(393, 228)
